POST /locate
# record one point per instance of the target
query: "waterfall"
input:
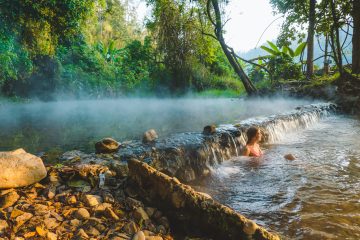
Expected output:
(277, 126)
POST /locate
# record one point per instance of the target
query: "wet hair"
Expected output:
(251, 133)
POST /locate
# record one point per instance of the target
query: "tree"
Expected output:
(215, 17)
(297, 14)
(310, 40)
(356, 37)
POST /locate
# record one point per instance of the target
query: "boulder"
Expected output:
(19, 169)
(289, 157)
(150, 136)
(209, 130)
(107, 145)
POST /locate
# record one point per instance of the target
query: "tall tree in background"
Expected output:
(356, 37)
(298, 14)
(215, 17)
(310, 40)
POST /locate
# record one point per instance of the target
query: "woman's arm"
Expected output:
(246, 151)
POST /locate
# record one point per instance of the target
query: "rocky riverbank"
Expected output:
(79, 200)
(70, 204)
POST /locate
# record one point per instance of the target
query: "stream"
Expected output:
(316, 196)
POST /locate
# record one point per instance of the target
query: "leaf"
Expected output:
(299, 49)
(290, 51)
(29, 234)
(273, 46)
(269, 50)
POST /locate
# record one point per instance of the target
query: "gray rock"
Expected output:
(19, 169)
(107, 145)
(150, 136)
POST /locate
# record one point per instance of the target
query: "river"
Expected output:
(67, 125)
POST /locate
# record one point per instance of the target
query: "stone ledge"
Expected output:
(194, 209)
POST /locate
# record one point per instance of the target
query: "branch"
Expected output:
(247, 61)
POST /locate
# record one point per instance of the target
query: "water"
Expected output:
(316, 196)
(69, 125)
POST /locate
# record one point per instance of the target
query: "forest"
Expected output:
(97, 49)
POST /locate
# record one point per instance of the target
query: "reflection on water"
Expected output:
(316, 196)
(79, 124)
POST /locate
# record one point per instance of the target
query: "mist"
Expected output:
(68, 125)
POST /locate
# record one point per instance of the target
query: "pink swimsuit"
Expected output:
(254, 152)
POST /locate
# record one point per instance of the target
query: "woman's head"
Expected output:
(253, 135)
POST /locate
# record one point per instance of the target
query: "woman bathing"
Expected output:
(252, 148)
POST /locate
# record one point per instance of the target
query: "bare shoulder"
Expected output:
(246, 151)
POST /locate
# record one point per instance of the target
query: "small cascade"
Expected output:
(188, 156)
(278, 128)
(235, 146)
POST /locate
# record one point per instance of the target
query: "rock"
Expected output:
(140, 214)
(75, 222)
(92, 200)
(108, 197)
(51, 223)
(178, 199)
(82, 214)
(133, 203)
(150, 136)
(110, 214)
(164, 221)
(209, 130)
(289, 157)
(3, 226)
(92, 232)
(161, 229)
(9, 199)
(40, 209)
(130, 228)
(150, 211)
(139, 236)
(51, 192)
(107, 145)
(81, 234)
(153, 238)
(23, 218)
(71, 200)
(121, 236)
(51, 236)
(121, 168)
(250, 227)
(19, 169)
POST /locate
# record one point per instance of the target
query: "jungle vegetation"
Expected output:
(98, 48)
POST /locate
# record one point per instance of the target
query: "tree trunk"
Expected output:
(249, 86)
(335, 38)
(356, 38)
(310, 41)
(326, 58)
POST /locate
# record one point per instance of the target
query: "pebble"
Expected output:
(92, 200)
(9, 199)
(82, 214)
(139, 236)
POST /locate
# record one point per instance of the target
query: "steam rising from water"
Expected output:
(69, 125)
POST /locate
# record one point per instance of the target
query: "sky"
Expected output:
(248, 20)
